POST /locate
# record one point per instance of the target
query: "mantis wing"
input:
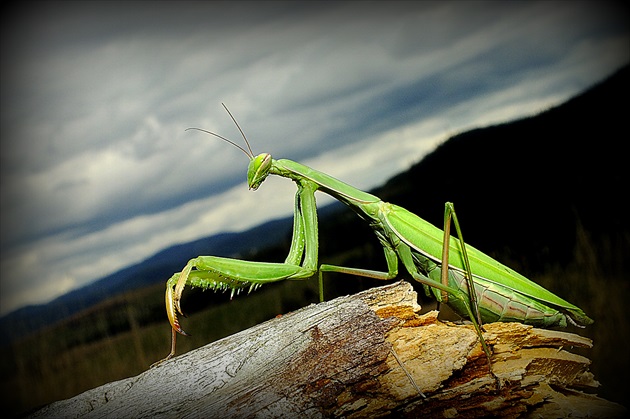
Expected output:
(426, 239)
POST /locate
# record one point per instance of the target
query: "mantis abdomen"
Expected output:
(496, 302)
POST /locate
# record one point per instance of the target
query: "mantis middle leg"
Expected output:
(409, 259)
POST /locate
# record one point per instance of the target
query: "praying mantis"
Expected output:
(472, 283)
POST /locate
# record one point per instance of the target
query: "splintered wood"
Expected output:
(339, 359)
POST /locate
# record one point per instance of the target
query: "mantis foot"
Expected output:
(171, 354)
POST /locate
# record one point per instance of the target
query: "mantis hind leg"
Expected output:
(451, 215)
(471, 303)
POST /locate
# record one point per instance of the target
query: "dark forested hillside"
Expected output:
(524, 189)
(525, 185)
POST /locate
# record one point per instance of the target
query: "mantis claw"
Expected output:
(173, 297)
(173, 300)
(172, 307)
(176, 304)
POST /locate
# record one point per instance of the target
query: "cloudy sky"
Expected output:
(98, 173)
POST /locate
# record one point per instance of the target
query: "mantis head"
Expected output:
(258, 170)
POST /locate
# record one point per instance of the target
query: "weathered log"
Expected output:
(345, 358)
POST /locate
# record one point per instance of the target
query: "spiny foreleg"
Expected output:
(219, 273)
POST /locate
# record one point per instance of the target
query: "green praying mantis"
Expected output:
(472, 283)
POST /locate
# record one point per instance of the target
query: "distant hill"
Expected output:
(522, 190)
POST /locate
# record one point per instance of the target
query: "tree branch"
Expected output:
(339, 358)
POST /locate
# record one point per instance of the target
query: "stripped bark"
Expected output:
(341, 359)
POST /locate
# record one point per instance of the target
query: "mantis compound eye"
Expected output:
(258, 170)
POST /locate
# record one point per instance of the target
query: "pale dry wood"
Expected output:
(335, 359)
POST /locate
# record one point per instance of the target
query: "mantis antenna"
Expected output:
(250, 154)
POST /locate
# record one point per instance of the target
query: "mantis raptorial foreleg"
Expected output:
(218, 273)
